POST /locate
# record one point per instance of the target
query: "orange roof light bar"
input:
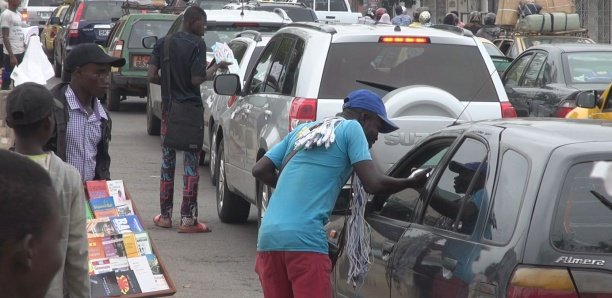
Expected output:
(403, 39)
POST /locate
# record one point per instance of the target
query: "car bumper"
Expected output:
(130, 85)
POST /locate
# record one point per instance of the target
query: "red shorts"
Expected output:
(286, 274)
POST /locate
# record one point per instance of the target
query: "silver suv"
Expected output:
(307, 69)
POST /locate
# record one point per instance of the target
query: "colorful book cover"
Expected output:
(117, 191)
(119, 264)
(99, 266)
(95, 248)
(88, 214)
(113, 246)
(154, 264)
(96, 189)
(127, 224)
(104, 285)
(143, 243)
(143, 273)
(125, 209)
(129, 242)
(103, 207)
(100, 227)
(128, 284)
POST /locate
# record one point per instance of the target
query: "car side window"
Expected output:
(403, 205)
(53, 14)
(320, 5)
(456, 199)
(508, 198)
(533, 70)
(290, 77)
(513, 75)
(278, 68)
(261, 69)
(337, 5)
(238, 49)
(70, 14)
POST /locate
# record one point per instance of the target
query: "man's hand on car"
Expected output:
(418, 177)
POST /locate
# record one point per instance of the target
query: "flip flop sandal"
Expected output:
(162, 222)
(197, 228)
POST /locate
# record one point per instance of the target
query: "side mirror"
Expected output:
(587, 99)
(55, 21)
(227, 84)
(149, 42)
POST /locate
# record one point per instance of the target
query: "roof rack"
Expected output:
(256, 35)
(578, 32)
(129, 7)
(316, 26)
(454, 29)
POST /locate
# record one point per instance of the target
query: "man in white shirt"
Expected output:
(13, 39)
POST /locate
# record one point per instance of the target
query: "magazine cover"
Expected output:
(100, 266)
(128, 284)
(154, 264)
(100, 227)
(143, 243)
(96, 189)
(119, 264)
(103, 207)
(104, 285)
(95, 248)
(143, 273)
(127, 224)
(117, 191)
(131, 248)
(125, 209)
(113, 246)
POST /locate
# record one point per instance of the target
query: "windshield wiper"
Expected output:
(377, 85)
(602, 199)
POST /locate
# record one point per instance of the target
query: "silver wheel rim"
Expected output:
(221, 182)
(213, 156)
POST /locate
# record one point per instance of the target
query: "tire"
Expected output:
(153, 123)
(57, 67)
(230, 207)
(213, 164)
(113, 99)
(263, 199)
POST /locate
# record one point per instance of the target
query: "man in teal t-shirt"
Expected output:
(292, 258)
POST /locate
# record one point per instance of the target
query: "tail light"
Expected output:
(403, 39)
(564, 107)
(73, 30)
(302, 110)
(531, 282)
(24, 15)
(117, 49)
(507, 110)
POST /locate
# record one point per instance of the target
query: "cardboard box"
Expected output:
(566, 6)
(507, 13)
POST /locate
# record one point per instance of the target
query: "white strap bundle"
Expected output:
(322, 134)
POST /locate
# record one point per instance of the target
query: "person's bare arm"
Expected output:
(210, 73)
(154, 74)
(375, 182)
(265, 171)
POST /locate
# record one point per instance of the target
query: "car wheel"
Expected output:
(264, 193)
(230, 207)
(213, 164)
(57, 67)
(153, 123)
(113, 99)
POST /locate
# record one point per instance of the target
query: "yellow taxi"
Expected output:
(591, 105)
(51, 28)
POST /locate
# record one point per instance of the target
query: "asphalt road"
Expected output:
(217, 264)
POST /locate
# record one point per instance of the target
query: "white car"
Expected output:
(430, 78)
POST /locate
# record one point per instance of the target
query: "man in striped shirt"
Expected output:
(83, 126)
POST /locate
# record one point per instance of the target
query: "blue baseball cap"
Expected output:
(370, 101)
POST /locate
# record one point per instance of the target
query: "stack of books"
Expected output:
(121, 258)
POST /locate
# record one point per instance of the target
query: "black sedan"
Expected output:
(513, 208)
(544, 80)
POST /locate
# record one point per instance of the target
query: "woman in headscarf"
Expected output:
(385, 19)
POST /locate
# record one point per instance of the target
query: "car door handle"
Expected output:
(449, 264)
(267, 114)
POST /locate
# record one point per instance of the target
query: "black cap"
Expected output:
(29, 103)
(90, 53)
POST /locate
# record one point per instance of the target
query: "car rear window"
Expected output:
(534, 41)
(144, 28)
(589, 67)
(29, 3)
(102, 10)
(297, 14)
(460, 70)
(583, 220)
(227, 32)
(493, 50)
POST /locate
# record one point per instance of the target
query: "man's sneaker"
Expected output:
(191, 225)
(162, 222)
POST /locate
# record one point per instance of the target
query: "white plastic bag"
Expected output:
(222, 52)
(35, 66)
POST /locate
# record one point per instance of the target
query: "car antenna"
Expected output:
(242, 6)
(469, 102)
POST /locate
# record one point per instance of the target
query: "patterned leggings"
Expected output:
(191, 177)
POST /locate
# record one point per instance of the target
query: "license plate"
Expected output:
(140, 61)
(103, 32)
(44, 14)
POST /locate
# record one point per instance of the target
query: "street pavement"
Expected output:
(217, 264)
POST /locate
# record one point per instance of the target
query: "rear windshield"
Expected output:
(583, 220)
(28, 3)
(102, 10)
(211, 4)
(493, 50)
(297, 14)
(460, 70)
(225, 33)
(589, 67)
(144, 28)
(534, 41)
